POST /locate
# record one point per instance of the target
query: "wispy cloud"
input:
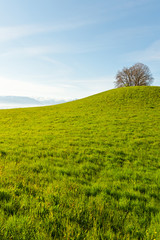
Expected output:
(11, 33)
(126, 35)
(150, 54)
(61, 69)
(102, 41)
(15, 32)
(136, 3)
(61, 48)
(78, 21)
(32, 51)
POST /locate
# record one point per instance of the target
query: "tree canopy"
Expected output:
(137, 75)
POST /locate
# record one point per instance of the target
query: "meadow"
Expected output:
(87, 169)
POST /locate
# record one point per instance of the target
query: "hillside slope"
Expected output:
(87, 169)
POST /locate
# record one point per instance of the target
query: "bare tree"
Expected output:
(137, 75)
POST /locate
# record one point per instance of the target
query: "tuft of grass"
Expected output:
(87, 169)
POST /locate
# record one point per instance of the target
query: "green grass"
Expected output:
(87, 169)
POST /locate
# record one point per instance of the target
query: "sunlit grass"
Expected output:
(88, 169)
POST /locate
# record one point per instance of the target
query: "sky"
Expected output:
(70, 49)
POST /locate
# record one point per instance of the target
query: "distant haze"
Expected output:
(18, 102)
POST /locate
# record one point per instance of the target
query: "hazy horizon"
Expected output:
(8, 102)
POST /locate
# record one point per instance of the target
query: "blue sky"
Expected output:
(68, 49)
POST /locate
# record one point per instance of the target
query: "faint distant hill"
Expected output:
(51, 102)
(17, 101)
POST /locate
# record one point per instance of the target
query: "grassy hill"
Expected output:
(88, 169)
